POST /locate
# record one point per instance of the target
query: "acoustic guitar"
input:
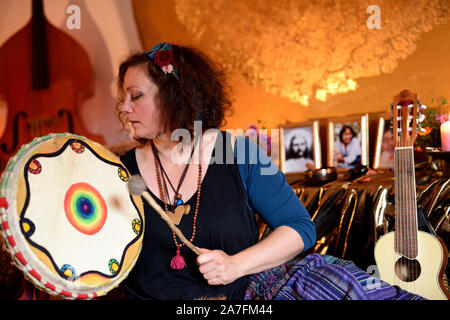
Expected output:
(412, 259)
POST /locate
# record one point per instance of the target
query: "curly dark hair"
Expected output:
(201, 93)
(345, 127)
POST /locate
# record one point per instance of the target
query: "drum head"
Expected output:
(67, 218)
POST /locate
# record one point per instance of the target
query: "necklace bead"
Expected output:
(179, 201)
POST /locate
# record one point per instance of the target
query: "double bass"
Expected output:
(45, 76)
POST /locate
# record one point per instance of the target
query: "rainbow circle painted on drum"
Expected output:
(85, 208)
(67, 218)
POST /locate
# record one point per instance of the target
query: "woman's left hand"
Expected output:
(217, 267)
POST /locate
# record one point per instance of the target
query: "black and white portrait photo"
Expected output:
(298, 148)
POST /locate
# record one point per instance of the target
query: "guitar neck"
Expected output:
(405, 203)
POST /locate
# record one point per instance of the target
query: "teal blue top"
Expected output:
(268, 192)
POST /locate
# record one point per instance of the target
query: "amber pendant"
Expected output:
(179, 212)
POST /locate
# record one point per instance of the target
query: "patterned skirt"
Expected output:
(321, 277)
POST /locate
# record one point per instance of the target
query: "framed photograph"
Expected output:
(383, 157)
(348, 142)
(299, 147)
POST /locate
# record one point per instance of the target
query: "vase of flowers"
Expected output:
(430, 136)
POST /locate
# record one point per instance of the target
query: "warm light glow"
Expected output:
(308, 49)
(321, 94)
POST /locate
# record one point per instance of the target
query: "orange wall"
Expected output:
(426, 71)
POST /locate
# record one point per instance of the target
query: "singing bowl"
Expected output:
(321, 176)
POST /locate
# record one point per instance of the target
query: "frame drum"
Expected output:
(67, 218)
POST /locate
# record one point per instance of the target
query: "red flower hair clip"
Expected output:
(162, 56)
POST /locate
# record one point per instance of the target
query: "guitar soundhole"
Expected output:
(407, 270)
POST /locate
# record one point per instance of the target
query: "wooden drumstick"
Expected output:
(137, 186)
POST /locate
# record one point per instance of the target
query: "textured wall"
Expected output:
(109, 31)
(411, 50)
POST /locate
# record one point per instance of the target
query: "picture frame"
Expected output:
(383, 157)
(300, 148)
(348, 141)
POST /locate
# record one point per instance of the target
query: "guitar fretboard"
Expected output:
(405, 203)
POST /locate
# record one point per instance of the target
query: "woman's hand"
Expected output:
(281, 245)
(217, 267)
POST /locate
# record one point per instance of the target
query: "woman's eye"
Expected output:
(134, 98)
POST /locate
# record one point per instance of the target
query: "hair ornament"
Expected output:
(162, 56)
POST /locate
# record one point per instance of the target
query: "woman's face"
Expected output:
(388, 141)
(141, 103)
(347, 136)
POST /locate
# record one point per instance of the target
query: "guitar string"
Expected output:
(397, 202)
(400, 213)
(402, 221)
(397, 213)
(410, 225)
(405, 213)
(405, 205)
(413, 217)
(400, 209)
(407, 243)
(403, 230)
(410, 243)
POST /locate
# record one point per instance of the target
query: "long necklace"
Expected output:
(178, 208)
(178, 261)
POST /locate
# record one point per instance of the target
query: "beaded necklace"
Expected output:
(178, 261)
(178, 208)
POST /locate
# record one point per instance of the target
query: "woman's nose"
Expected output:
(126, 106)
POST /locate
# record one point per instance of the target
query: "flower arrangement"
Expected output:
(431, 134)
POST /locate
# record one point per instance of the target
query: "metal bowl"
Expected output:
(321, 176)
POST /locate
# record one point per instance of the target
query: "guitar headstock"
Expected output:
(406, 118)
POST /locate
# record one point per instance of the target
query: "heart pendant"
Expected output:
(179, 212)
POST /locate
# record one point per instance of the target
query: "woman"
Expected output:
(217, 180)
(347, 149)
(387, 150)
